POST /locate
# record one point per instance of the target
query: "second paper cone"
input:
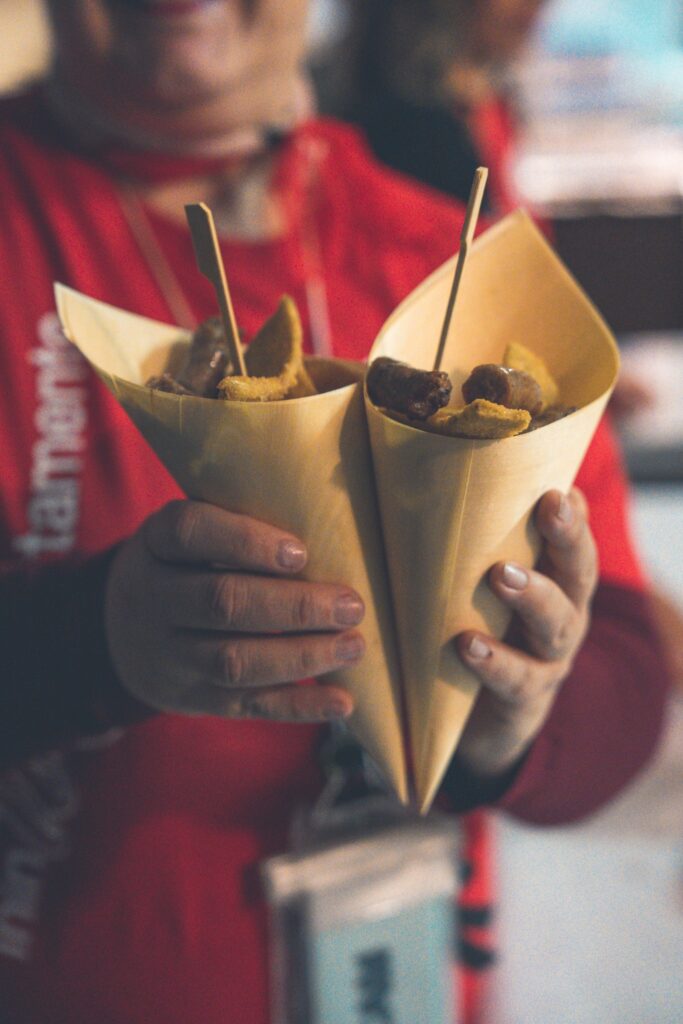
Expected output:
(303, 465)
(452, 507)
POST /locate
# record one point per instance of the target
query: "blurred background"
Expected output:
(577, 106)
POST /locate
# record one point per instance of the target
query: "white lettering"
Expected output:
(52, 514)
(57, 458)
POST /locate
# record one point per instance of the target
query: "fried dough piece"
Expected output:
(274, 360)
(519, 357)
(503, 385)
(479, 419)
(401, 388)
(253, 389)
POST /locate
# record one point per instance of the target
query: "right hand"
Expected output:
(201, 618)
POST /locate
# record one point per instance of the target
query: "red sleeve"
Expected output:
(603, 481)
(605, 722)
(58, 684)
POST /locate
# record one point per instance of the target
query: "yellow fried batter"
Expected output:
(274, 360)
(253, 389)
(479, 419)
(519, 357)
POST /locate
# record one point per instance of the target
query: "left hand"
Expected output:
(552, 613)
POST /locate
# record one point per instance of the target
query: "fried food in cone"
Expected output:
(519, 357)
(413, 393)
(274, 360)
(451, 507)
(501, 400)
(503, 385)
(255, 458)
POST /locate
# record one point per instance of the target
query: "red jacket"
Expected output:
(128, 889)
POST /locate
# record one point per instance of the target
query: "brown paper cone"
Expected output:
(303, 465)
(452, 507)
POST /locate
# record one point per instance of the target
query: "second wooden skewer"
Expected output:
(466, 236)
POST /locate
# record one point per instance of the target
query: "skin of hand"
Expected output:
(204, 615)
(552, 611)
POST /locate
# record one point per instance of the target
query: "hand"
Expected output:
(202, 618)
(551, 605)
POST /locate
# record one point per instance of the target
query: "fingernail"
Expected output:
(337, 709)
(350, 648)
(348, 610)
(514, 576)
(291, 555)
(478, 648)
(564, 510)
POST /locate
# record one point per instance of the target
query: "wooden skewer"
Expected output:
(210, 264)
(466, 236)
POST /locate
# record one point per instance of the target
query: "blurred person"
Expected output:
(155, 740)
(429, 84)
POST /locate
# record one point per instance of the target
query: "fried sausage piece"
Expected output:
(401, 388)
(519, 357)
(207, 359)
(502, 385)
(206, 364)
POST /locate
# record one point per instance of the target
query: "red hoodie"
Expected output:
(127, 879)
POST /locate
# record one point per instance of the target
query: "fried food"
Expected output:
(503, 385)
(550, 415)
(206, 363)
(208, 359)
(167, 382)
(479, 419)
(519, 357)
(274, 360)
(416, 393)
(502, 400)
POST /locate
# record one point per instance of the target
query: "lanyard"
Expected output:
(313, 153)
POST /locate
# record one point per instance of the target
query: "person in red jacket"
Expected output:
(429, 83)
(155, 740)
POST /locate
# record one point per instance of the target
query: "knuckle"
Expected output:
(305, 610)
(233, 663)
(308, 661)
(522, 688)
(555, 647)
(226, 600)
(247, 542)
(173, 528)
(297, 709)
(292, 705)
(184, 525)
(560, 640)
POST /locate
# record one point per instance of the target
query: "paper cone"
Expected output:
(303, 465)
(452, 507)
